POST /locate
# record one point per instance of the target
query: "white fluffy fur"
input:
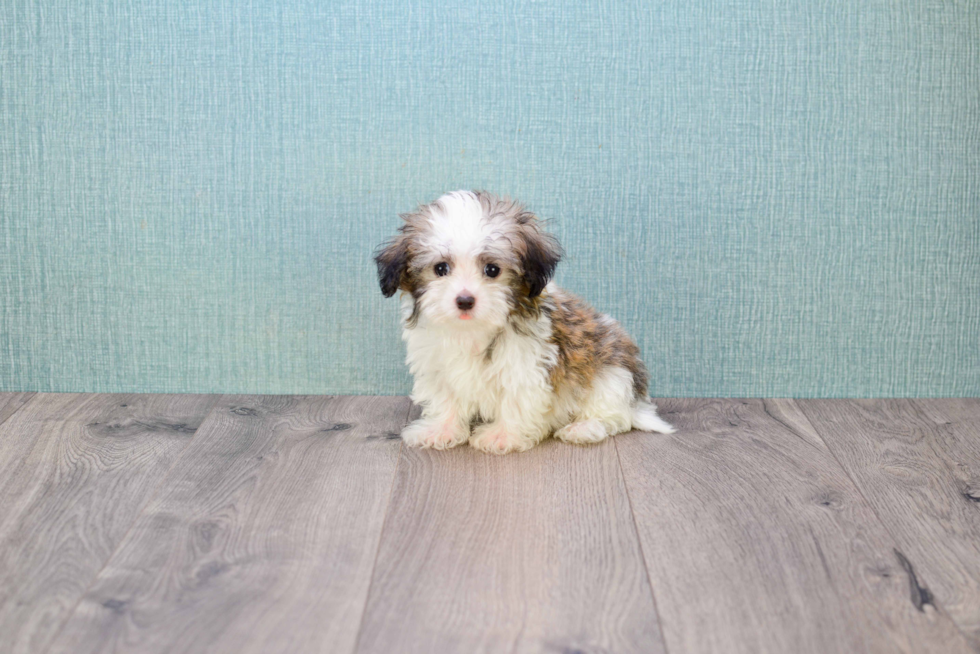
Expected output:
(510, 393)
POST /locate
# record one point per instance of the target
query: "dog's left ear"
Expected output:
(392, 262)
(540, 256)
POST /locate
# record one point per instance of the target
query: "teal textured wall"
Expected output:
(776, 198)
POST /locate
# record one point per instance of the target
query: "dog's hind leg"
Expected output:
(605, 411)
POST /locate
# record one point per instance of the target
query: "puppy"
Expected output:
(501, 357)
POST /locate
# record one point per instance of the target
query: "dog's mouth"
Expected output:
(465, 315)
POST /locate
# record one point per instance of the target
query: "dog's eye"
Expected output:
(442, 268)
(491, 270)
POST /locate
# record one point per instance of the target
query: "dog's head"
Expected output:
(468, 259)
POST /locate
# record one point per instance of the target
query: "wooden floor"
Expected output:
(188, 523)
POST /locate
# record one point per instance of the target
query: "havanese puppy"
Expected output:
(500, 356)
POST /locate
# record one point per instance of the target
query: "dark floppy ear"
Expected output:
(392, 262)
(541, 255)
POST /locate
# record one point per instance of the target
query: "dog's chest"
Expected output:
(481, 366)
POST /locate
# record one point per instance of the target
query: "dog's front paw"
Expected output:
(496, 439)
(434, 434)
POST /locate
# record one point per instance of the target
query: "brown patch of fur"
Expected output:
(537, 251)
(525, 307)
(586, 345)
(413, 319)
(394, 260)
(488, 353)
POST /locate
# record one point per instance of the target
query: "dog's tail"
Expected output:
(645, 418)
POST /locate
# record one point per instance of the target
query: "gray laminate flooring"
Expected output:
(193, 523)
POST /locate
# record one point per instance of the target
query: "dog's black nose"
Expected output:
(465, 302)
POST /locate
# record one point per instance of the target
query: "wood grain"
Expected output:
(75, 470)
(294, 524)
(533, 552)
(263, 538)
(918, 464)
(11, 402)
(757, 541)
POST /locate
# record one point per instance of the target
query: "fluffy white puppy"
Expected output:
(501, 357)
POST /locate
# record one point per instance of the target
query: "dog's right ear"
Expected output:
(392, 262)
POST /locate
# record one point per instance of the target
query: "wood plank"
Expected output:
(532, 552)
(918, 463)
(11, 402)
(757, 541)
(75, 470)
(263, 538)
